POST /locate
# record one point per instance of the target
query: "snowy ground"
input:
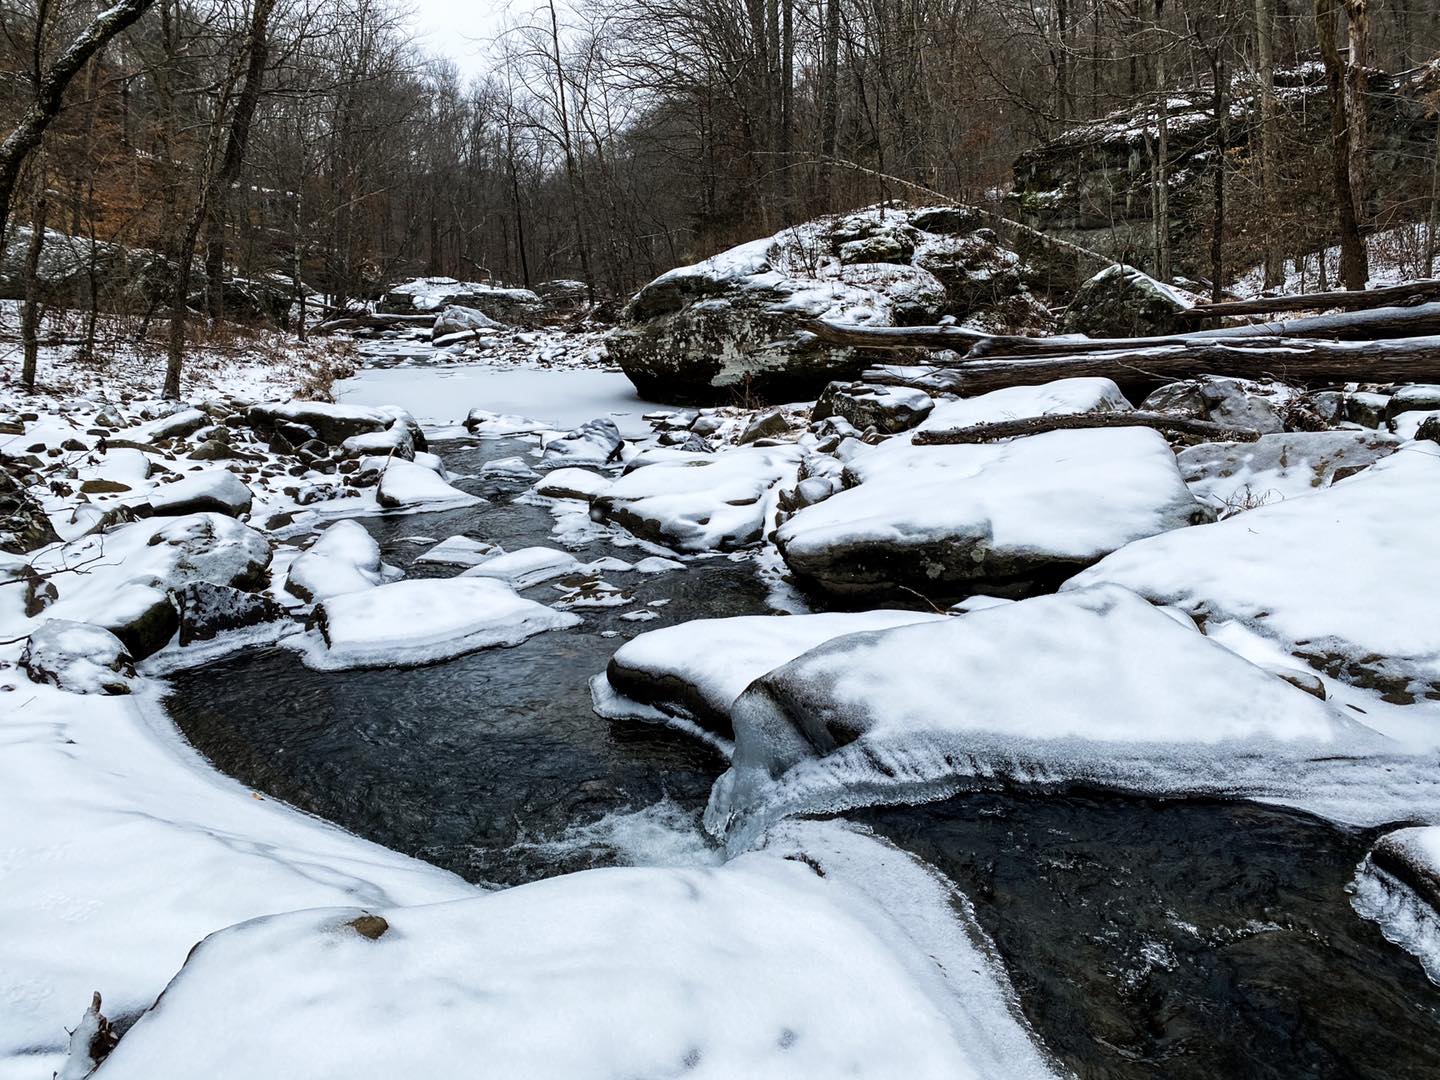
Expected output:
(1190, 660)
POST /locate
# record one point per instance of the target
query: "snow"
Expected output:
(997, 510)
(429, 293)
(697, 669)
(526, 567)
(1406, 425)
(570, 483)
(760, 968)
(345, 559)
(700, 502)
(123, 848)
(1350, 573)
(1059, 398)
(411, 485)
(1092, 686)
(1236, 476)
(78, 657)
(459, 551)
(410, 623)
(213, 489)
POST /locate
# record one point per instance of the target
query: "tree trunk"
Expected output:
(1162, 155)
(1357, 101)
(830, 104)
(1354, 270)
(1038, 425)
(30, 316)
(572, 171)
(1269, 144)
(50, 93)
(1222, 144)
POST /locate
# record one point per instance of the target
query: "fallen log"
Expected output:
(371, 322)
(1373, 325)
(1410, 292)
(1294, 360)
(1036, 425)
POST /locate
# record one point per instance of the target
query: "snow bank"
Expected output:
(408, 623)
(1347, 578)
(1092, 686)
(761, 969)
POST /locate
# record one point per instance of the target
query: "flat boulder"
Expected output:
(411, 485)
(332, 424)
(1018, 516)
(1093, 686)
(410, 623)
(1232, 476)
(572, 483)
(79, 657)
(213, 491)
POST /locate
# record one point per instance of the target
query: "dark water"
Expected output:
(1146, 939)
(457, 762)
(1182, 939)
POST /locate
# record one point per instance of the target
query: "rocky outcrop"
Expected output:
(728, 327)
(1091, 184)
(430, 294)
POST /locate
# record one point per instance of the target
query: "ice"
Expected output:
(762, 968)
(409, 623)
(697, 669)
(1092, 686)
(701, 502)
(1347, 578)
(344, 559)
(1398, 886)
(939, 518)
(459, 551)
(526, 567)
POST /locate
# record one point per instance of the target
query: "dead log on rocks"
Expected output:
(1294, 360)
(1036, 425)
(856, 336)
(371, 322)
(1410, 292)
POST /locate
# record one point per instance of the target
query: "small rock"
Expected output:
(763, 426)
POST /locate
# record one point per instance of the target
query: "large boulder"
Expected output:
(212, 491)
(1233, 476)
(345, 559)
(458, 319)
(1220, 401)
(595, 442)
(729, 326)
(331, 423)
(422, 295)
(1121, 301)
(78, 657)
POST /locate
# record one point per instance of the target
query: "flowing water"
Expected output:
(1181, 939)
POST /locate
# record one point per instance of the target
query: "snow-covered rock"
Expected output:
(526, 567)
(832, 955)
(395, 439)
(458, 319)
(332, 423)
(492, 425)
(1239, 476)
(1221, 401)
(421, 295)
(697, 669)
(699, 502)
(1347, 578)
(1063, 397)
(207, 611)
(410, 485)
(1092, 686)
(1398, 886)
(595, 442)
(1121, 301)
(572, 484)
(703, 332)
(214, 490)
(78, 657)
(344, 559)
(409, 623)
(510, 468)
(888, 409)
(459, 551)
(947, 520)
(24, 525)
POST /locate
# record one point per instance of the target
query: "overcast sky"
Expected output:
(461, 29)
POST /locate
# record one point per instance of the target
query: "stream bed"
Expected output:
(1146, 939)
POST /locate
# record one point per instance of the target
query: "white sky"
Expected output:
(461, 29)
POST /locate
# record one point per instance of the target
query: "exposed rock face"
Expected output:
(727, 326)
(24, 525)
(1235, 476)
(1092, 184)
(1121, 301)
(516, 306)
(78, 657)
(1221, 401)
(207, 611)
